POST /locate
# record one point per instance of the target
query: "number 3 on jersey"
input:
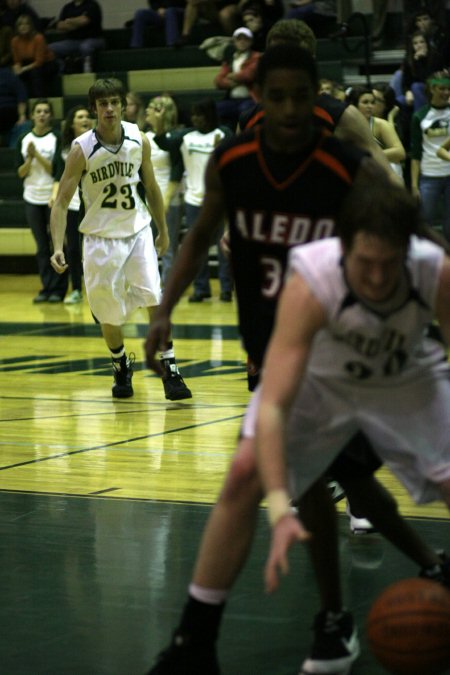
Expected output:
(272, 277)
(110, 200)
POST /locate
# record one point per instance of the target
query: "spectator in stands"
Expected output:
(383, 131)
(417, 15)
(13, 9)
(223, 12)
(38, 153)
(162, 116)
(236, 77)
(326, 86)
(13, 104)
(386, 107)
(253, 20)
(435, 32)
(167, 13)
(259, 16)
(135, 110)
(332, 88)
(195, 145)
(78, 120)
(430, 175)
(80, 21)
(420, 61)
(33, 61)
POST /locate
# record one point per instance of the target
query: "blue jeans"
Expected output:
(83, 48)
(201, 281)
(148, 17)
(434, 190)
(37, 216)
(173, 218)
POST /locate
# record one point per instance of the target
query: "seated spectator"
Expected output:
(418, 13)
(259, 16)
(167, 13)
(13, 103)
(6, 34)
(13, 9)
(435, 32)
(33, 61)
(225, 12)
(134, 110)
(81, 22)
(420, 61)
(271, 10)
(236, 77)
(253, 20)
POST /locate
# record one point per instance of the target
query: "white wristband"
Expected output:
(278, 505)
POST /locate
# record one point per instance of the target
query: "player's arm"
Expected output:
(443, 301)
(299, 317)
(188, 262)
(75, 165)
(353, 128)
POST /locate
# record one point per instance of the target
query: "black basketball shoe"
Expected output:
(335, 646)
(123, 372)
(174, 386)
(186, 657)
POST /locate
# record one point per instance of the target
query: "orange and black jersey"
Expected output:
(275, 201)
(327, 113)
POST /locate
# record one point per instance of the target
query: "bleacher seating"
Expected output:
(186, 73)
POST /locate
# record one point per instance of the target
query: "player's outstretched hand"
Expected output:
(58, 262)
(157, 340)
(286, 532)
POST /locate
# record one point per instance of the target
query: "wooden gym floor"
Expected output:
(102, 502)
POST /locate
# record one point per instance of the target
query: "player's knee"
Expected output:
(242, 481)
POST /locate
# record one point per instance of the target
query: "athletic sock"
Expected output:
(201, 620)
(119, 357)
(169, 353)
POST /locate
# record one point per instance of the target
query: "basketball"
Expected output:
(408, 628)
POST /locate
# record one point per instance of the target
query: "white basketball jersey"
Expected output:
(360, 342)
(113, 207)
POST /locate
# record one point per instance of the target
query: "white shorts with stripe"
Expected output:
(120, 275)
(407, 422)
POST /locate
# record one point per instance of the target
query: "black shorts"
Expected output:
(356, 460)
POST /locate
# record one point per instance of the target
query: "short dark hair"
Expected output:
(292, 31)
(43, 101)
(287, 56)
(208, 109)
(109, 86)
(381, 208)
